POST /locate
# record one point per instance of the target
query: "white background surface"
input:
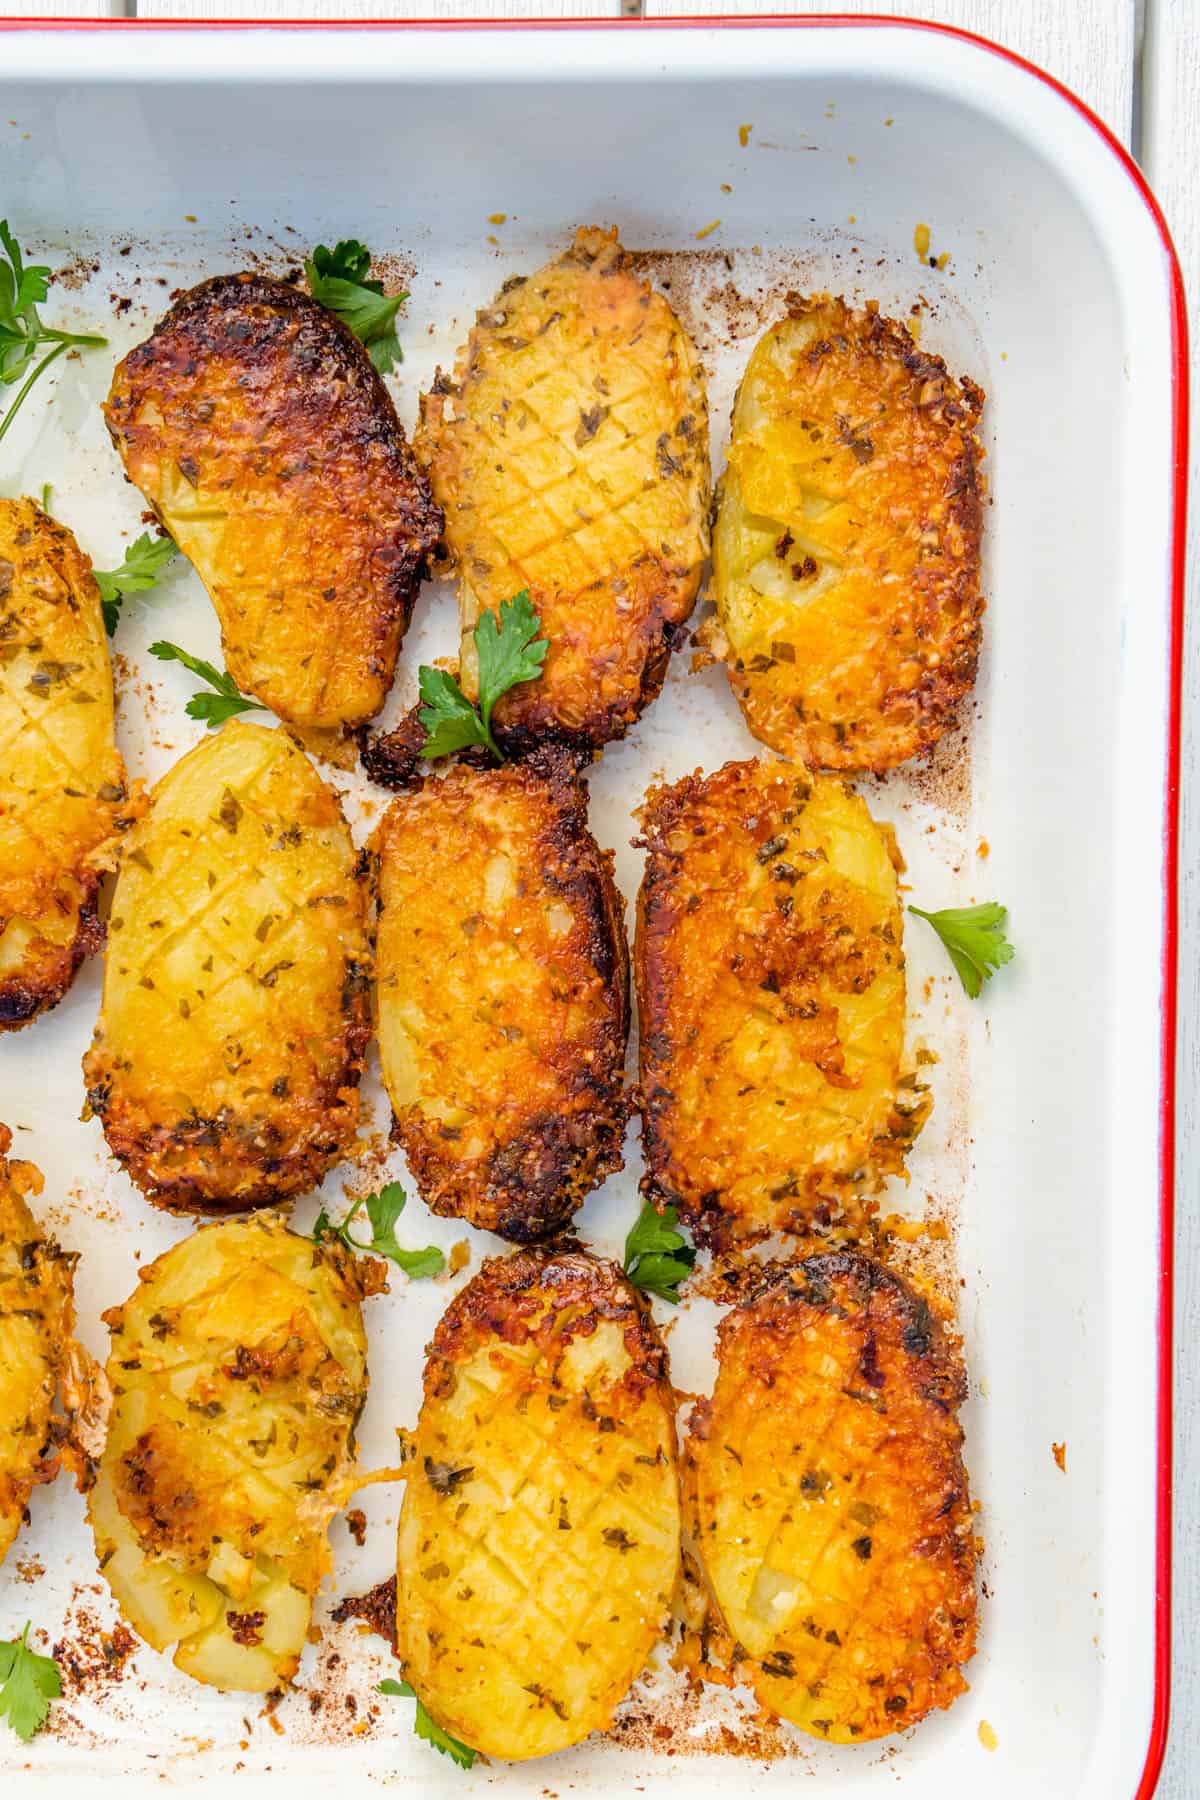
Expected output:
(1137, 63)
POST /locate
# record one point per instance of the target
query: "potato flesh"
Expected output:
(539, 1537)
(570, 453)
(771, 989)
(830, 1503)
(238, 1368)
(238, 950)
(62, 783)
(846, 550)
(502, 996)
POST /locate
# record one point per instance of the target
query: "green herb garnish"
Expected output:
(657, 1255)
(509, 651)
(974, 936)
(338, 279)
(22, 333)
(383, 1209)
(28, 1683)
(214, 709)
(140, 568)
(426, 1728)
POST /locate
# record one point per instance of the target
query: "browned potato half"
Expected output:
(570, 452)
(829, 1501)
(539, 1537)
(846, 552)
(62, 784)
(502, 994)
(770, 975)
(37, 1317)
(235, 1016)
(256, 427)
(238, 1370)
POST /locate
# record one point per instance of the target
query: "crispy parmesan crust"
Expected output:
(826, 1488)
(254, 423)
(539, 1539)
(63, 794)
(771, 994)
(37, 1318)
(236, 1008)
(846, 553)
(503, 994)
(570, 452)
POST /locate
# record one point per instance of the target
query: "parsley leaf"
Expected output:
(141, 567)
(974, 936)
(383, 1209)
(509, 651)
(338, 279)
(214, 709)
(22, 333)
(657, 1256)
(426, 1728)
(28, 1683)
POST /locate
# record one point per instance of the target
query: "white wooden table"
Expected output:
(1137, 63)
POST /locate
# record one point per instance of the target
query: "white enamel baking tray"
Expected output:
(141, 159)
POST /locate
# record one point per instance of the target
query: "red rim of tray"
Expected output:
(1156, 1747)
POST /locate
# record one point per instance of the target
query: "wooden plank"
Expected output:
(376, 9)
(1088, 44)
(1170, 108)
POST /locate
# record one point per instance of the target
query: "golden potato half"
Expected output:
(539, 1537)
(570, 453)
(37, 1317)
(503, 994)
(62, 784)
(238, 1370)
(829, 1501)
(256, 427)
(771, 992)
(235, 1016)
(846, 551)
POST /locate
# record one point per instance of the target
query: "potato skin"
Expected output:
(37, 1318)
(255, 425)
(846, 551)
(235, 1014)
(539, 1537)
(771, 993)
(238, 1371)
(570, 453)
(829, 1502)
(63, 794)
(503, 994)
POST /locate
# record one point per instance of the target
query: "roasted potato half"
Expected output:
(37, 1317)
(63, 795)
(829, 1501)
(770, 978)
(570, 452)
(238, 1369)
(502, 994)
(846, 552)
(256, 427)
(235, 1016)
(539, 1537)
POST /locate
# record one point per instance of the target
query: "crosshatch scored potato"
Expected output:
(238, 1371)
(771, 992)
(503, 994)
(63, 795)
(255, 425)
(37, 1317)
(846, 552)
(235, 1013)
(570, 453)
(539, 1537)
(829, 1501)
